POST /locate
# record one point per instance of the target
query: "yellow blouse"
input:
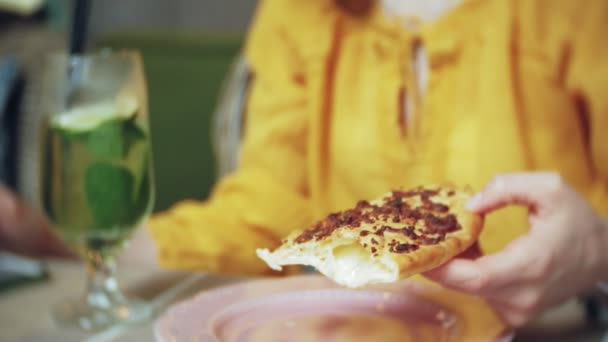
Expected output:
(512, 85)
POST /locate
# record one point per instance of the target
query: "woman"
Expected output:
(351, 98)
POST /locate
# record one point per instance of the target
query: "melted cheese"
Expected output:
(348, 264)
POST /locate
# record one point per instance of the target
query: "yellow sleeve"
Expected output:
(266, 197)
(587, 79)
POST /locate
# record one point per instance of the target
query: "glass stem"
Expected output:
(102, 288)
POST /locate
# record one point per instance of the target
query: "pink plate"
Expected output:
(305, 308)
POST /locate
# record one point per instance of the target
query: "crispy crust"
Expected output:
(417, 230)
(429, 257)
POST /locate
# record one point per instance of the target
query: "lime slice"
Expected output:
(86, 118)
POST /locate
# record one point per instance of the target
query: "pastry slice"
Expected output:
(393, 237)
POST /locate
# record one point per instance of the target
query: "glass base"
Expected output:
(95, 316)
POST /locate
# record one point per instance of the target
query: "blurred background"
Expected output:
(188, 47)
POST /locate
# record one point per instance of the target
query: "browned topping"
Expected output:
(441, 225)
(403, 248)
(374, 249)
(436, 207)
(351, 218)
(362, 204)
(409, 232)
(321, 229)
(380, 232)
(428, 240)
(437, 219)
(395, 202)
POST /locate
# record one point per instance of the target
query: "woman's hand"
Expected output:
(24, 230)
(563, 254)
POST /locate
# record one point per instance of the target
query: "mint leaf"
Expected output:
(114, 139)
(106, 141)
(108, 190)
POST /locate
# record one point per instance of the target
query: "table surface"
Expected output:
(24, 311)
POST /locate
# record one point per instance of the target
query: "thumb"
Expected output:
(458, 270)
(459, 274)
(529, 189)
(488, 271)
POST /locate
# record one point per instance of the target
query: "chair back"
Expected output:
(228, 117)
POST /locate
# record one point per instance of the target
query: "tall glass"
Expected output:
(96, 173)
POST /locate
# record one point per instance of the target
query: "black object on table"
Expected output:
(14, 270)
(11, 90)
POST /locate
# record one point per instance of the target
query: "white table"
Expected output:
(24, 311)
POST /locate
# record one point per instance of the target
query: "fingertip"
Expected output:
(8, 203)
(474, 202)
(458, 274)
